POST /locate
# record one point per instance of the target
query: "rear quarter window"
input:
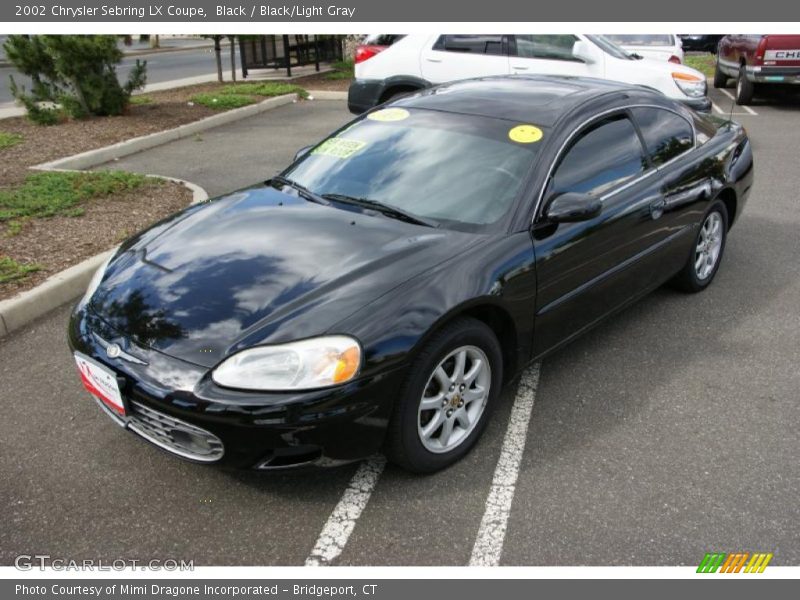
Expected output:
(473, 44)
(666, 134)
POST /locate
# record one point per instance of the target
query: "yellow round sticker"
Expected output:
(525, 134)
(389, 114)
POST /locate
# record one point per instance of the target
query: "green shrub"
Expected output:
(9, 139)
(53, 193)
(76, 72)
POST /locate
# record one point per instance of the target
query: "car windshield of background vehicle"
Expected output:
(609, 47)
(641, 40)
(462, 171)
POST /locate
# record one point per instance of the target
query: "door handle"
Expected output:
(516, 68)
(434, 60)
(657, 206)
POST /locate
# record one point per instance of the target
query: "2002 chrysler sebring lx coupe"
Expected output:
(379, 292)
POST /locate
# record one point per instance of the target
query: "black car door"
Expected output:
(587, 269)
(685, 175)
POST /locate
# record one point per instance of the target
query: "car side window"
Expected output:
(549, 47)
(605, 155)
(666, 134)
(473, 44)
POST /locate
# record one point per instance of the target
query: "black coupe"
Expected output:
(378, 293)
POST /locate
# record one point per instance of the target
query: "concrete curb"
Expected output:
(327, 95)
(65, 285)
(92, 158)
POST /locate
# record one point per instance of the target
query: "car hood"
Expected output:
(259, 266)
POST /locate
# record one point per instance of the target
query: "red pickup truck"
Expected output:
(755, 59)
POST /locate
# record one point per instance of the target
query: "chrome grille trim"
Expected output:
(160, 429)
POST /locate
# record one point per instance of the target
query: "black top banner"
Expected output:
(451, 12)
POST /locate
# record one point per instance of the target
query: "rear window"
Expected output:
(474, 44)
(462, 171)
(382, 39)
(641, 40)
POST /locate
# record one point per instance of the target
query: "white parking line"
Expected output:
(717, 108)
(340, 525)
(746, 108)
(492, 531)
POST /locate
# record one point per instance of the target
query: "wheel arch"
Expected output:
(729, 199)
(496, 317)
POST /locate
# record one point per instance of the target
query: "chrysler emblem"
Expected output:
(113, 350)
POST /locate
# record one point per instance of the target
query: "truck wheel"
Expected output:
(744, 88)
(720, 78)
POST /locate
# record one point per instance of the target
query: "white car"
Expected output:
(659, 47)
(421, 60)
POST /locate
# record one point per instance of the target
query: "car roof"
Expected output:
(541, 99)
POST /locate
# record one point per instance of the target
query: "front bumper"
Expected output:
(170, 398)
(702, 105)
(364, 94)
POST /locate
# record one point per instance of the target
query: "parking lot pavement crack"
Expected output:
(340, 524)
(488, 546)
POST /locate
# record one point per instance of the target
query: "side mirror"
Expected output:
(572, 208)
(582, 51)
(302, 152)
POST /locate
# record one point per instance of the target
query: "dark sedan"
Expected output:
(378, 294)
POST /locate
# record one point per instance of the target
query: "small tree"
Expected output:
(232, 39)
(217, 53)
(77, 72)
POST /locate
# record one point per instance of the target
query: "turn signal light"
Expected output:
(347, 365)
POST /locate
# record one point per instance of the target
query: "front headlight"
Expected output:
(94, 283)
(314, 363)
(691, 85)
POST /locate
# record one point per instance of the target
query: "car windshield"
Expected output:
(459, 171)
(641, 40)
(609, 47)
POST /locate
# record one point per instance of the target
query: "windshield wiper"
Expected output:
(386, 209)
(303, 191)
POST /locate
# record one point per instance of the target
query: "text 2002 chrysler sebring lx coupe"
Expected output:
(378, 293)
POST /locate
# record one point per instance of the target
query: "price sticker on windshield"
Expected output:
(338, 147)
(388, 115)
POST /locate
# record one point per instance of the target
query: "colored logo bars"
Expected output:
(733, 563)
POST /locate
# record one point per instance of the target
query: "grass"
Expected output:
(9, 139)
(223, 101)
(702, 62)
(11, 270)
(139, 100)
(57, 193)
(343, 69)
(242, 94)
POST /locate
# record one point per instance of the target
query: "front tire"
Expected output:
(707, 250)
(720, 78)
(445, 403)
(744, 88)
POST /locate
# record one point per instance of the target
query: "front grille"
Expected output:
(174, 435)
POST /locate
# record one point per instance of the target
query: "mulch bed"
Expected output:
(318, 82)
(56, 243)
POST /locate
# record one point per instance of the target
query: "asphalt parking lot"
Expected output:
(670, 431)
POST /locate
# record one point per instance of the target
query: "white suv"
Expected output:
(421, 60)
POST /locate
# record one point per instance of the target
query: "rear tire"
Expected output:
(441, 411)
(707, 250)
(744, 88)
